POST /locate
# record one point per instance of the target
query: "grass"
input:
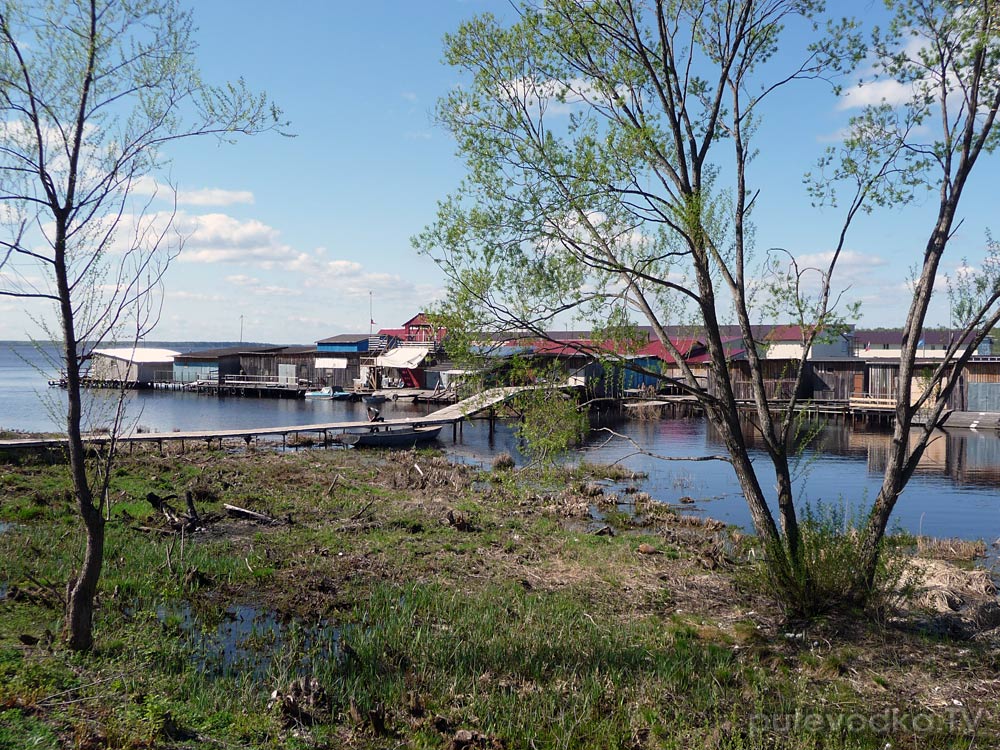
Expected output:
(373, 619)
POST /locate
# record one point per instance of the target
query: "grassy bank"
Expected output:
(397, 600)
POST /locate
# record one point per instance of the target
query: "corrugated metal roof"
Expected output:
(227, 351)
(345, 338)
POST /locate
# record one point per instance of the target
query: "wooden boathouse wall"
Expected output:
(779, 380)
(339, 377)
(272, 364)
(837, 380)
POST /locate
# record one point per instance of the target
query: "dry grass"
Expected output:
(957, 550)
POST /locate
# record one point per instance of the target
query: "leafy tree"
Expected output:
(609, 147)
(90, 93)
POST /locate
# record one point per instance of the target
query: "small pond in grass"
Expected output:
(248, 640)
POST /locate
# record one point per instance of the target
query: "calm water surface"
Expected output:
(956, 491)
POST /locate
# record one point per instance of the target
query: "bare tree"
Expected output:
(610, 149)
(91, 91)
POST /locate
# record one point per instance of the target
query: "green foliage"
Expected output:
(552, 421)
(825, 580)
(19, 730)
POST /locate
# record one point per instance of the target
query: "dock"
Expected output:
(453, 414)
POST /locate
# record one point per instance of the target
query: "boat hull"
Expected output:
(388, 438)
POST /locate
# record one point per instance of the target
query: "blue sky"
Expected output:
(293, 233)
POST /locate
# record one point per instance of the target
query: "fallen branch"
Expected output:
(361, 512)
(235, 510)
(641, 451)
(154, 530)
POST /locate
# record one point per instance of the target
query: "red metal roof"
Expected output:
(420, 319)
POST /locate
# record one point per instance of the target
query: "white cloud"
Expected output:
(148, 186)
(409, 96)
(257, 287)
(849, 261)
(179, 294)
(349, 278)
(555, 97)
(214, 197)
(868, 93)
(216, 238)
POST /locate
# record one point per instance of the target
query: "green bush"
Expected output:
(828, 574)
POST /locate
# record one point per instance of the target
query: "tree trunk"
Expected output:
(80, 603)
(80, 600)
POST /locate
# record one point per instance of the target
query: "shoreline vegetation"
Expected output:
(317, 599)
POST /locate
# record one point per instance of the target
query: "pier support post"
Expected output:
(493, 420)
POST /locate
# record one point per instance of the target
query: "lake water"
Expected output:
(955, 492)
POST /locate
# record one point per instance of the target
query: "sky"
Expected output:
(290, 240)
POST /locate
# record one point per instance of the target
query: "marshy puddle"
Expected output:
(248, 640)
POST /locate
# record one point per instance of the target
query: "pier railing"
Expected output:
(872, 403)
(261, 381)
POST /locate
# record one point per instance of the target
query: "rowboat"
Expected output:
(385, 437)
(375, 398)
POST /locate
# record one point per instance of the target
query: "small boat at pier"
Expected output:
(327, 394)
(375, 398)
(321, 394)
(385, 437)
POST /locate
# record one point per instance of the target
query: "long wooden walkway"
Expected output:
(451, 414)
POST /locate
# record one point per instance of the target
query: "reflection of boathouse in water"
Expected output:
(966, 456)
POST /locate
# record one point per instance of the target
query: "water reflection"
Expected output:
(967, 456)
(955, 491)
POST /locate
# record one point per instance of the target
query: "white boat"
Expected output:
(321, 394)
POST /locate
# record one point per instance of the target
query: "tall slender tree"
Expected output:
(610, 152)
(91, 93)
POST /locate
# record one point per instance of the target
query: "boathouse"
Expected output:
(211, 365)
(285, 365)
(133, 367)
(338, 359)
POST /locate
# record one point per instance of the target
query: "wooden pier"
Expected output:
(453, 414)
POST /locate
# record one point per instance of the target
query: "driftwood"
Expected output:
(178, 521)
(235, 510)
(192, 511)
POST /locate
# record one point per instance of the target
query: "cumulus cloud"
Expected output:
(148, 186)
(348, 278)
(554, 97)
(216, 238)
(868, 93)
(214, 197)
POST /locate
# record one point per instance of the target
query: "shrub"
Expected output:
(826, 577)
